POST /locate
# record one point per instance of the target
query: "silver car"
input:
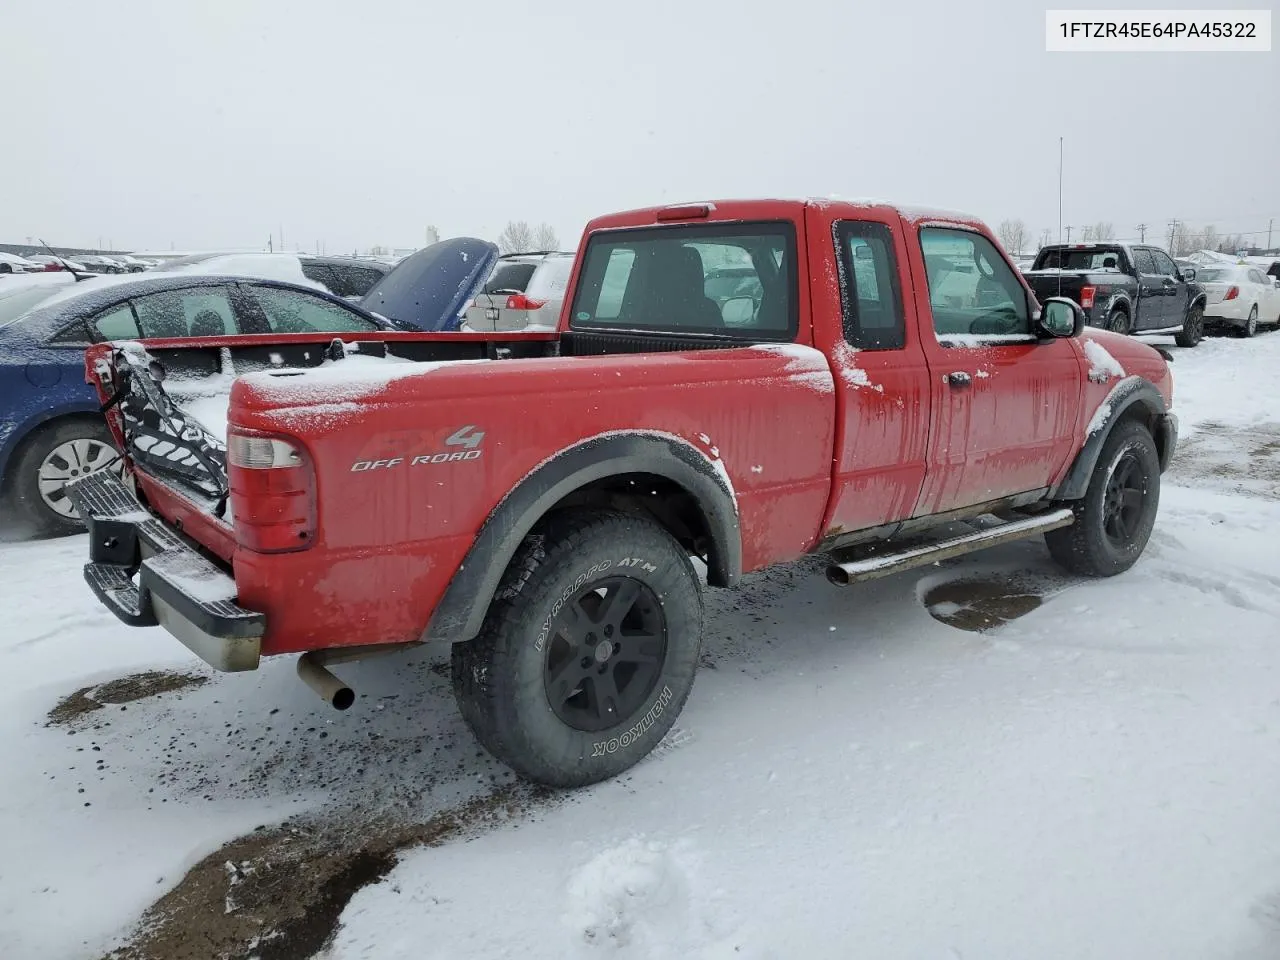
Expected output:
(524, 290)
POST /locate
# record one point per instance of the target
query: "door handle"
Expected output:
(959, 379)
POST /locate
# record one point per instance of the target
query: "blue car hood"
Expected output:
(431, 288)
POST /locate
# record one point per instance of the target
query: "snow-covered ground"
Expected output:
(852, 776)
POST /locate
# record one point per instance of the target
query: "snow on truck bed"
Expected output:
(327, 390)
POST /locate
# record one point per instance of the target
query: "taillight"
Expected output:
(273, 492)
(1086, 297)
(518, 301)
(1232, 293)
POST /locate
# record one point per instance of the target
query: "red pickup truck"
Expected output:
(878, 384)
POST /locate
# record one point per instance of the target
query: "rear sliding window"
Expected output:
(676, 280)
(1104, 258)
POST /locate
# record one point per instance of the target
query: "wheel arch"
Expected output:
(1133, 398)
(1122, 302)
(688, 495)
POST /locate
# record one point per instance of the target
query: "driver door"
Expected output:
(1005, 403)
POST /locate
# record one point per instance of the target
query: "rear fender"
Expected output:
(1129, 393)
(462, 609)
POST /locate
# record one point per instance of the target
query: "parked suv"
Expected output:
(525, 289)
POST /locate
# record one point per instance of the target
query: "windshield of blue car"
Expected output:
(15, 304)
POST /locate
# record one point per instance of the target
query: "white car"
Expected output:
(524, 291)
(1240, 296)
(12, 263)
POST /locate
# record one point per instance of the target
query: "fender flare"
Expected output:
(1121, 299)
(1200, 300)
(461, 611)
(1123, 397)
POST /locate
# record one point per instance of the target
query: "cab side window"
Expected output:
(972, 290)
(727, 280)
(1144, 261)
(869, 289)
(1164, 266)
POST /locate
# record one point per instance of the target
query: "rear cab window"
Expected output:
(669, 280)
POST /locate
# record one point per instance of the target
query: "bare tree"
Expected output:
(1088, 233)
(516, 237)
(1103, 231)
(1012, 234)
(1209, 239)
(433, 235)
(544, 238)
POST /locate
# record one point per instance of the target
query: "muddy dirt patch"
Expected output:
(978, 605)
(125, 690)
(278, 892)
(1239, 459)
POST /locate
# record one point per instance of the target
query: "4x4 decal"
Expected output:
(467, 437)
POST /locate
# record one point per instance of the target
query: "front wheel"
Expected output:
(588, 651)
(1114, 520)
(1192, 328)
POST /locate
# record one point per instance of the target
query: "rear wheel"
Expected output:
(1118, 321)
(1250, 327)
(1192, 328)
(1113, 521)
(588, 652)
(50, 457)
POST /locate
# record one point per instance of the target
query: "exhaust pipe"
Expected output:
(316, 676)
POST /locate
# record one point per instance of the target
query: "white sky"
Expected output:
(353, 123)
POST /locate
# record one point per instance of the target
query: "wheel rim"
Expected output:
(1125, 500)
(605, 653)
(69, 461)
(1119, 322)
(1253, 321)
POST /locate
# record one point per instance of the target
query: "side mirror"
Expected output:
(738, 311)
(1188, 274)
(1060, 318)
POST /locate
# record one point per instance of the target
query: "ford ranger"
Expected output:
(1128, 289)
(538, 500)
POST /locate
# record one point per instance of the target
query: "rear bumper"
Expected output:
(1229, 312)
(146, 575)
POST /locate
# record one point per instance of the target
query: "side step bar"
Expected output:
(872, 568)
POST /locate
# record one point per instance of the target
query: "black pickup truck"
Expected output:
(1128, 289)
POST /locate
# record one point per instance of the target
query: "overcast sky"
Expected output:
(359, 122)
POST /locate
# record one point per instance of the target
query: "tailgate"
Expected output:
(158, 435)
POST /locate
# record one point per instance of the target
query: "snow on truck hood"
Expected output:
(432, 288)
